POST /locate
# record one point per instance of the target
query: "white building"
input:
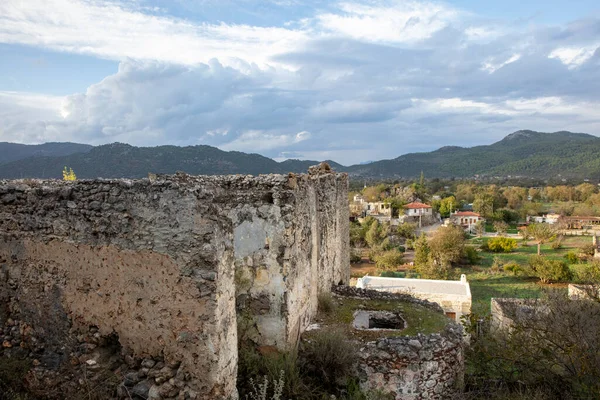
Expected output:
(416, 209)
(453, 296)
(466, 219)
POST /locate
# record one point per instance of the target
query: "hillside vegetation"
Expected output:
(523, 153)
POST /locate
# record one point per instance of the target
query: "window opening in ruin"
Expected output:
(378, 320)
(451, 315)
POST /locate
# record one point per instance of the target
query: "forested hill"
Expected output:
(119, 160)
(523, 153)
(14, 151)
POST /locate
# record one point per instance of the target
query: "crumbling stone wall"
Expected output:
(422, 367)
(161, 262)
(415, 368)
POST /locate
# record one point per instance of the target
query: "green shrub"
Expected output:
(501, 244)
(388, 260)
(587, 249)
(355, 257)
(328, 359)
(557, 244)
(513, 268)
(471, 255)
(393, 274)
(549, 270)
(572, 257)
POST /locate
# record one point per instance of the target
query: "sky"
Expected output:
(350, 81)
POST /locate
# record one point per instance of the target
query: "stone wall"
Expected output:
(160, 263)
(418, 367)
(415, 368)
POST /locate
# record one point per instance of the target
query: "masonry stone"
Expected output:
(160, 265)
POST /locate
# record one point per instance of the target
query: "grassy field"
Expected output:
(485, 284)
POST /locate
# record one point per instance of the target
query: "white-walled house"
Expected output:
(453, 296)
(466, 219)
(416, 209)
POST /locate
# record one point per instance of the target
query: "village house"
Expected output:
(550, 218)
(419, 213)
(453, 296)
(466, 219)
(378, 209)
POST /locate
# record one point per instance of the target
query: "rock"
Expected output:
(142, 389)
(131, 378)
(148, 363)
(153, 393)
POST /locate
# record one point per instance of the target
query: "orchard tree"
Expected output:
(541, 233)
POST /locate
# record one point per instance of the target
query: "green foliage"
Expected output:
(549, 270)
(471, 255)
(448, 205)
(447, 245)
(388, 260)
(500, 227)
(572, 257)
(328, 359)
(501, 244)
(513, 268)
(553, 352)
(542, 233)
(422, 250)
(587, 249)
(406, 230)
(325, 302)
(355, 256)
(557, 243)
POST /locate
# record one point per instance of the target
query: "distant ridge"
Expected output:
(522, 153)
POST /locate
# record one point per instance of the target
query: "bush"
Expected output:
(328, 359)
(355, 257)
(572, 257)
(513, 268)
(471, 255)
(501, 244)
(407, 230)
(388, 260)
(549, 270)
(587, 249)
(557, 244)
(325, 302)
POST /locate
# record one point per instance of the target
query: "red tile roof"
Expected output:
(416, 204)
(466, 214)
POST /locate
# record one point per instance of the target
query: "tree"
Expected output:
(422, 251)
(500, 227)
(484, 204)
(448, 205)
(69, 174)
(447, 245)
(541, 233)
(388, 260)
(375, 234)
(480, 228)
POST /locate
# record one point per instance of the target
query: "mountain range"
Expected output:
(522, 153)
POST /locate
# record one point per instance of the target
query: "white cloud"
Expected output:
(261, 141)
(107, 30)
(573, 56)
(362, 80)
(491, 66)
(388, 21)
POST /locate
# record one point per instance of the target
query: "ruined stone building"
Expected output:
(160, 265)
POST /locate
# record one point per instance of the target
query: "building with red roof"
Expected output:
(466, 219)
